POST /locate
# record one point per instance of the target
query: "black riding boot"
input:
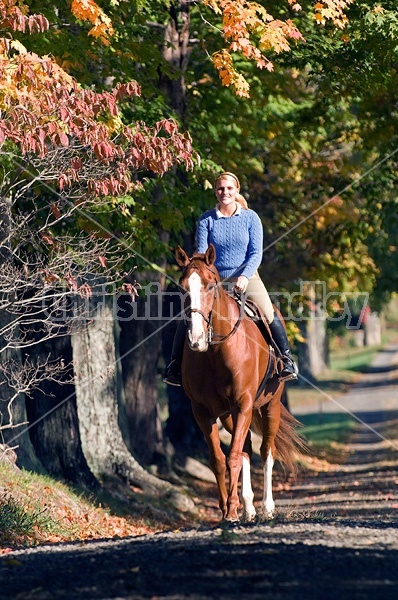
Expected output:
(172, 374)
(278, 333)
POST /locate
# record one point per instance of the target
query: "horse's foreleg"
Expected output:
(218, 465)
(247, 495)
(217, 458)
(242, 421)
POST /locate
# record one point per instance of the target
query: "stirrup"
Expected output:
(290, 369)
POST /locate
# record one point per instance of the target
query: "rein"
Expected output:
(223, 338)
(209, 319)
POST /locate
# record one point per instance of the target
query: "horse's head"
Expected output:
(200, 279)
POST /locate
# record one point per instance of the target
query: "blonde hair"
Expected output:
(239, 197)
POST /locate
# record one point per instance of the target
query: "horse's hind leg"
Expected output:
(268, 504)
(270, 414)
(247, 495)
(217, 458)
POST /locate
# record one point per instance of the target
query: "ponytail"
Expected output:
(242, 201)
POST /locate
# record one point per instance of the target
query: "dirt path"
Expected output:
(364, 486)
(336, 535)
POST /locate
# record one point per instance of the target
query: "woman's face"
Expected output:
(226, 190)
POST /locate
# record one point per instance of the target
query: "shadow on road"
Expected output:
(247, 564)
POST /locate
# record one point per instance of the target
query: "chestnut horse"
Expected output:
(224, 363)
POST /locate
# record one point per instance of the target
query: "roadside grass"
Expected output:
(36, 509)
(327, 436)
(327, 429)
(19, 520)
(356, 360)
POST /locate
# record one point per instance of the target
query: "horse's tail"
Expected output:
(289, 443)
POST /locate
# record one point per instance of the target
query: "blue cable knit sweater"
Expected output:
(238, 241)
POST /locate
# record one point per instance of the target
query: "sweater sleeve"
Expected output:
(202, 234)
(255, 248)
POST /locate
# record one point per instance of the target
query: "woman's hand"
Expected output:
(241, 283)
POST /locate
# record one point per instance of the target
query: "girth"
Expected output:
(254, 313)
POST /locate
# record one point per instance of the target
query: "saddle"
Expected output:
(254, 312)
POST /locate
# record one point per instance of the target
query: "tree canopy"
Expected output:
(310, 142)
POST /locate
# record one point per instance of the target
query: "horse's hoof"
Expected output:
(230, 522)
(250, 518)
(268, 515)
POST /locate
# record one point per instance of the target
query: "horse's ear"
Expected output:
(181, 257)
(210, 255)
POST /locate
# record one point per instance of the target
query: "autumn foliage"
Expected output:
(251, 31)
(88, 10)
(43, 107)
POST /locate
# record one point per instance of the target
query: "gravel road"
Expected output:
(336, 534)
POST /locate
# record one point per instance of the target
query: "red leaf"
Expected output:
(77, 164)
(63, 138)
(47, 238)
(98, 151)
(72, 282)
(130, 289)
(85, 291)
(55, 210)
(63, 181)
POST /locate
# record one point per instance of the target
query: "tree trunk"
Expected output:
(181, 428)
(52, 413)
(97, 389)
(140, 339)
(372, 330)
(313, 354)
(176, 52)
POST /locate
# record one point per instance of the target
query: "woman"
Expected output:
(237, 235)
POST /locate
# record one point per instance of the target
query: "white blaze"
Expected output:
(196, 330)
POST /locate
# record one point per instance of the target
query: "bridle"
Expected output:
(211, 335)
